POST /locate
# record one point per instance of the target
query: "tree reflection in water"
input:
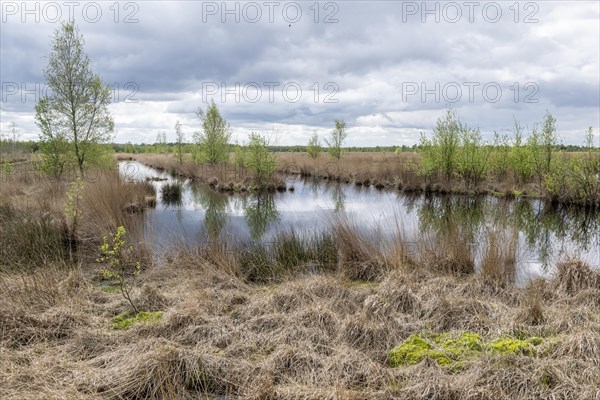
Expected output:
(215, 209)
(544, 227)
(260, 212)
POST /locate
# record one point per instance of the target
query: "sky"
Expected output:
(286, 69)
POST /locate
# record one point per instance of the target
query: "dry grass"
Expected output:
(378, 169)
(318, 336)
(451, 253)
(574, 276)
(109, 202)
(359, 257)
(35, 229)
(500, 259)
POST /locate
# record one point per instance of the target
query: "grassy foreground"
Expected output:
(312, 337)
(354, 323)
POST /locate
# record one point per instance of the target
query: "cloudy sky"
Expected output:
(388, 68)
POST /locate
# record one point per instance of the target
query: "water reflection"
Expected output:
(215, 209)
(338, 196)
(548, 232)
(537, 231)
(452, 216)
(261, 212)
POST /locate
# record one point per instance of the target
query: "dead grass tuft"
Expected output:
(359, 258)
(581, 344)
(149, 369)
(449, 313)
(532, 310)
(19, 329)
(574, 275)
(500, 261)
(150, 299)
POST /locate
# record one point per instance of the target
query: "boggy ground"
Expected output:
(293, 324)
(312, 336)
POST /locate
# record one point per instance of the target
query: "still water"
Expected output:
(543, 234)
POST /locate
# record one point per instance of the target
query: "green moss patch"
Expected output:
(125, 320)
(446, 350)
(510, 345)
(452, 352)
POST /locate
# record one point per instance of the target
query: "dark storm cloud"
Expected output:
(374, 54)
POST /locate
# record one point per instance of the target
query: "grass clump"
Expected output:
(256, 264)
(171, 193)
(29, 241)
(291, 253)
(290, 250)
(125, 320)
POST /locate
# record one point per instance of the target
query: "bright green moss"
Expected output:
(509, 345)
(411, 351)
(447, 351)
(453, 352)
(471, 341)
(125, 320)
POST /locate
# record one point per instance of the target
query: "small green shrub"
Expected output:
(258, 159)
(313, 148)
(119, 265)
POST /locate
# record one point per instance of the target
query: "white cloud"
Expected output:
(370, 54)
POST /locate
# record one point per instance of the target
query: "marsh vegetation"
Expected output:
(466, 270)
(289, 312)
